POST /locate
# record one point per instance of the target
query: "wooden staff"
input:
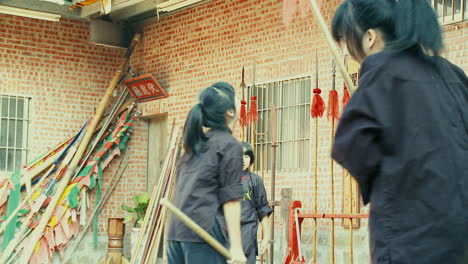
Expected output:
(273, 177)
(99, 207)
(156, 243)
(332, 46)
(196, 228)
(38, 231)
(333, 113)
(155, 196)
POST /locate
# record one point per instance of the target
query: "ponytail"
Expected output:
(215, 101)
(404, 24)
(194, 137)
(416, 24)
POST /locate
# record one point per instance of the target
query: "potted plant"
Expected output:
(138, 212)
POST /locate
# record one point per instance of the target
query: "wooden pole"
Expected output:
(332, 46)
(273, 178)
(196, 228)
(314, 242)
(332, 193)
(38, 231)
(155, 195)
(98, 208)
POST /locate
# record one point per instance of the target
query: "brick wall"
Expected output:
(186, 51)
(189, 49)
(66, 77)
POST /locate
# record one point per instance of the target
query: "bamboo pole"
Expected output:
(196, 228)
(332, 46)
(273, 176)
(99, 207)
(314, 242)
(332, 193)
(156, 243)
(159, 210)
(38, 231)
(154, 197)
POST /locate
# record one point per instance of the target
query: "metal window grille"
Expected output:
(292, 101)
(14, 126)
(450, 11)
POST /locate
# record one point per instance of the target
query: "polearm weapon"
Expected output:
(332, 46)
(273, 178)
(196, 228)
(37, 233)
(47, 161)
(333, 113)
(47, 192)
(243, 110)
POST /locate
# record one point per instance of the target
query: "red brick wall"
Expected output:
(189, 49)
(186, 51)
(66, 77)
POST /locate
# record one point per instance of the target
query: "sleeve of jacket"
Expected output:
(358, 139)
(261, 200)
(230, 172)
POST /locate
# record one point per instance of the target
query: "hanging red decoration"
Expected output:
(346, 96)
(333, 105)
(253, 114)
(318, 105)
(243, 114)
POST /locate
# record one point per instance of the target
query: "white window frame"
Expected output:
(10, 143)
(446, 15)
(292, 100)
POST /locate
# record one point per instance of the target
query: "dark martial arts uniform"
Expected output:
(404, 137)
(204, 183)
(254, 207)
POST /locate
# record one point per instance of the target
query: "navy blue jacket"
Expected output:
(204, 183)
(404, 138)
(254, 206)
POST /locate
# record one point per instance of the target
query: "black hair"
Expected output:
(248, 150)
(404, 24)
(214, 102)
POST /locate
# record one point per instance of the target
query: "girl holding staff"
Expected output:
(403, 134)
(209, 180)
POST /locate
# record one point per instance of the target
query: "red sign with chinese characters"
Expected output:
(145, 88)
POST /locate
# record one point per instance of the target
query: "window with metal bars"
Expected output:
(450, 11)
(14, 126)
(292, 101)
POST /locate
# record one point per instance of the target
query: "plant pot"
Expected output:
(134, 236)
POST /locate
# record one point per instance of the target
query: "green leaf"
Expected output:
(139, 222)
(129, 218)
(128, 209)
(144, 198)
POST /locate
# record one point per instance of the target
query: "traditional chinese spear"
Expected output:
(332, 46)
(274, 145)
(37, 233)
(333, 113)
(243, 110)
(317, 109)
(47, 192)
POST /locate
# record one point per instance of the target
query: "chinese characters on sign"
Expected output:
(145, 88)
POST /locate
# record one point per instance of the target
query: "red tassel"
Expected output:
(346, 96)
(243, 114)
(253, 114)
(318, 105)
(333, 105)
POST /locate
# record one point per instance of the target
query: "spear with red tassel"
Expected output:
(252, 117)
(333, 113)
(243, 110)
(316, 110)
